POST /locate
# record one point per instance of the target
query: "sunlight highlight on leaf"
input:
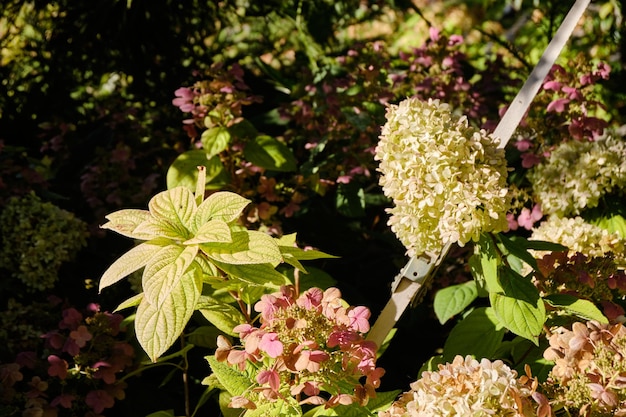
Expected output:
(247, 247)
(162, 276)
(222, 205)
(177, 205)
(131, 261)
(158, 327)
(126, 221)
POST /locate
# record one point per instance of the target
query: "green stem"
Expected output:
(185, 369)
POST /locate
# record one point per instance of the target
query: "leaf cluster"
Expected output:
(503, 271)
(190, 241)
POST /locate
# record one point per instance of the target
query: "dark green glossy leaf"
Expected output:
(478, 334)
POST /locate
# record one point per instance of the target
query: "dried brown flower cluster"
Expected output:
(589, 375)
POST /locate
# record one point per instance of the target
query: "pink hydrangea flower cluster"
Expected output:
(215, 101)
(567, 107)
(76, 373)
(595, 278)
(306, 345)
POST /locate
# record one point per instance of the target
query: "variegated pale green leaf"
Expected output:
(177, 205)
(131, 302)
(163, 273)
(125, 222)
(222, 205)
(131, 261)
(212, 231)
(247, 247)
(223, 316)
(159, 227)
(208, 268)
(292, 255)
(304, 255)
(260, 274)
(158, 327)
(287, 240)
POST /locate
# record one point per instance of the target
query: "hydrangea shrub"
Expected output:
(37, 239)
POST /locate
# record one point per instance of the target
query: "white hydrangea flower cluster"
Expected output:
(578, 174)
(466, 387)
(580, 236)
(447, 179)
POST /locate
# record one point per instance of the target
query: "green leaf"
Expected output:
(183, 172)
(520, 309)
(484, 265)
(125, 222)
(518, 248)
(431, 364)
(305, 255)
(350, 200)
(292, 255)
(361, 119)
(613, 223)
(243, 130)
(131, 302)
(577, 307)
(452, 300)
(287, 407)
(269, 153)
(212, 231)
(223, 316)
(478, 334)
(164, 272)
(260, 274)
(314, 278)
(222, 205)
(205, 336)
(158, 327)
(524, 352)
(383, 400)
(177, 205)
(224, 399)
(131, 261)
(157, 227)
(215, 140)
(250, 294)
(247, 247)
(539, 245)
(233, 381)
(208, 268)
(287, 240)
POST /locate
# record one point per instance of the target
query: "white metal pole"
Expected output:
(418, 271)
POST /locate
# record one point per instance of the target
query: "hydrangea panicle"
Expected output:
(578, 174)
(447, 179)
(589, 374)
(467, 387)
(305, 344)
(580, 236)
